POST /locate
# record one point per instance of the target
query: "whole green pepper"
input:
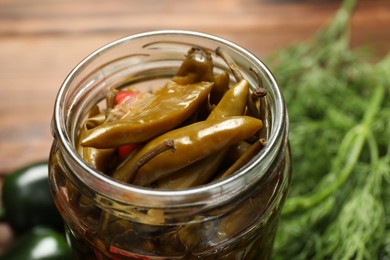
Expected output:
(27, 200)
(169, 107)
(192, 143)
(39, 243)
(233, 103)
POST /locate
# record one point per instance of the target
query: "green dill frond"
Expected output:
(339, 108)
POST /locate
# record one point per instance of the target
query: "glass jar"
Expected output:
(234, 218)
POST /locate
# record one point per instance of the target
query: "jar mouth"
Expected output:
(208, 194)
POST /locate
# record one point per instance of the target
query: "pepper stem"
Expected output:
(231, 63)
(166, 145)
(259, 95)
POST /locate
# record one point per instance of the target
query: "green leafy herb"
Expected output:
(339, 108)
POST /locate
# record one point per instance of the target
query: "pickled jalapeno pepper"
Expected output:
(168, 107)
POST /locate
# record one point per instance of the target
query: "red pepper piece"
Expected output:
(123, 95)
(125, 150)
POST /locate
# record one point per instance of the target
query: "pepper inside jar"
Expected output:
(198, 129)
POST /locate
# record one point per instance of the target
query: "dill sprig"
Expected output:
(339, 109)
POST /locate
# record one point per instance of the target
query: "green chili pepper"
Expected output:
(39, 243)
(96, 158)
(170, 106)
(221, 85)
(233, 103)
(192, 143)
(27, 199)
(196, 67)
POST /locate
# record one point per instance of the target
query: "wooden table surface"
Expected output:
(42, 40)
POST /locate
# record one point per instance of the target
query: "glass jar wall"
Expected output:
(232, 218)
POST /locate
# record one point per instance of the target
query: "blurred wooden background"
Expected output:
(42, 40)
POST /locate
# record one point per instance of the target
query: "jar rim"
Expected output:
(201, 195)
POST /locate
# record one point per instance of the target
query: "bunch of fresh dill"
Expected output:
(339, 108)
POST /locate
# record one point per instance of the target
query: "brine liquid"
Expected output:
(246, 232)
